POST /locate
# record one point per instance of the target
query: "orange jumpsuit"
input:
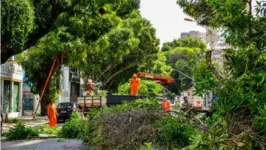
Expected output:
(166, 105)
(134, 85)
(52, 113)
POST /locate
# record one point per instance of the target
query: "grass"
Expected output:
(14, 120)
(45, 129)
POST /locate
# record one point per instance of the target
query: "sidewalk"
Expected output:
(39, 120)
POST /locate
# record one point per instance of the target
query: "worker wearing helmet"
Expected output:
(166, 105)
(134, 85)
(90, 87)
(186, 104)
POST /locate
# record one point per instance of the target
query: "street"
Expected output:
(44, 144)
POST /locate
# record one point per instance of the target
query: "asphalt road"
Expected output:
(44, 144)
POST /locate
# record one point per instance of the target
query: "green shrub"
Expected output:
(73, 128)
(15, 120)
(171, 133)
(147, 88)
(21, 132)
(151, 104)
(146, 146)
(45, 129)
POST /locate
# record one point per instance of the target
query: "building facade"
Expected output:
(195, 34)
(11, 89)
(69, 84)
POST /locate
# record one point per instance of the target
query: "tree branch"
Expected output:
(210, 64)
(37, 35)
(115, 74)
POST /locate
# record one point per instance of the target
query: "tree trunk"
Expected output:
(44, 104)
(45, 99)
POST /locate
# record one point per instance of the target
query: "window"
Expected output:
(65, 105)
(7, 96)
(15, 97)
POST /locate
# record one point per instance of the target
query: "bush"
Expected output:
(171, 133)
(45, 129)
(126, 126)
(146, 88)
(132, 124)
(14, 120)
(21, 132)
(73, 128)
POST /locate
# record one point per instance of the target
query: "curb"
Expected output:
(42, 136)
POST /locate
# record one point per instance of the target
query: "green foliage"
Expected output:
(182, 55)
(92, 41)
(232, 16)
(204, 78)
(171, 133)
(54, 87)
(182, 59)
(127, 43)
(17, 22)
(45, 129)
(261, 118)
(73, 128)
(241, 90)
(158, 66)
(29, 21)
(146, 146)
(146, 88)
(132, 120)
(21, 132)
(150, 104)
(14, 120)
(136, 125)
(190, 42)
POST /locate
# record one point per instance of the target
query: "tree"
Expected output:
(24, 23)
(185, 42)
(182, 56)
(147, 88)
(77, 35)
(242, 91)
(118, 53)
(158, 66)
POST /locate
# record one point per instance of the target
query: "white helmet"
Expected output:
(89, 81)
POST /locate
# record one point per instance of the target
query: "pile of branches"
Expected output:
(128, 129)
(242, 127)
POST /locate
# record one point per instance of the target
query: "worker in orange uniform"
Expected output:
(166, 105)
(134, 85)
(199, 104)
(52, 114)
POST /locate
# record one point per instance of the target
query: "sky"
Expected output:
(167, 18)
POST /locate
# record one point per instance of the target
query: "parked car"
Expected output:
(65, 110)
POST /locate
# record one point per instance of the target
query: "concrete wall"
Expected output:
(11, 71)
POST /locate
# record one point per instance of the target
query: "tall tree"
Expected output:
(182, 56)
(77, 34)
(24, 23)
(242, 91)
(120, 51)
